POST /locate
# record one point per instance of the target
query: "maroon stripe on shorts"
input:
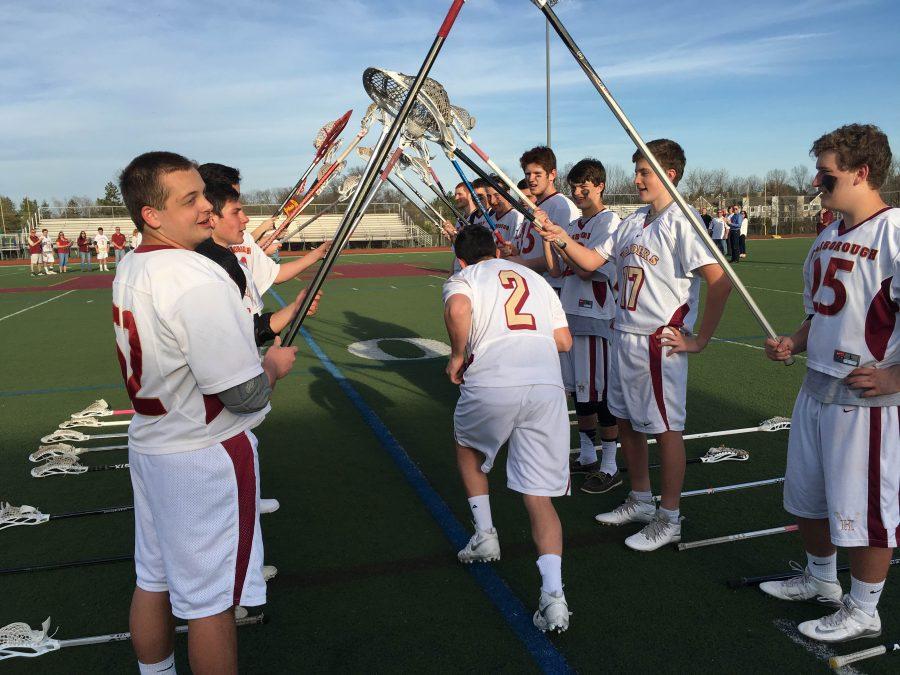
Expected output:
(656, 378)
(592, 349)
(877, 531)
(240, 450)
(605, 366)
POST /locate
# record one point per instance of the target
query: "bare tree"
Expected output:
(777, 182)
(800, 178)
(754, 184)
(619, 181)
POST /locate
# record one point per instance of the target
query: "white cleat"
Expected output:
(848, 623)
(269, 572)
(629, 511)
(484, 546)
(553, 612)
(655, 534)
(268, 505)
(804, 586)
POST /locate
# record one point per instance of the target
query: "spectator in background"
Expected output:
(84, 251)
(707, 220)
(118, 244)
(34, 250)
(62, 250)
(47, 252)
(745, 228)
(101, 243)
(734, 234)
(135, 239)
(825, 218)
(718, 228)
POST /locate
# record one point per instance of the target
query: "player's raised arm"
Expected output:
(585, 258)
(291, 269)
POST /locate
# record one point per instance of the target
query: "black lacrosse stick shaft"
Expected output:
(95, 512)
(66, 565)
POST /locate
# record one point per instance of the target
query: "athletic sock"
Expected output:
(550, 567)
(865, 595)
(608, 463)
(672, 515)
(642, 496)
(825, 568)
(481, 512)
(588, 451)
(166, 666)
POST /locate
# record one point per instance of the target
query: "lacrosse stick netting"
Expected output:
(344, 192)
(10, 515)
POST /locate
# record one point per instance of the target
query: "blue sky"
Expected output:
(742, 85)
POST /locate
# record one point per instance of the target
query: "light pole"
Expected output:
(547, 26)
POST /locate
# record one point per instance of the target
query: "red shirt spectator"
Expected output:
(84, 244)
(63, 244)
(34, 243)
(826, 218)
(118, 241)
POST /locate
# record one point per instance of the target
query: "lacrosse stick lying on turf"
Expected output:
(713, 455)
(100, 408)
(68, 465)
(75, 436)
(348, 185)
(693, 217)
(796, 571)
(727, 488)
(837, 662)
(18, 639)
(65, 450)
(11, 516)
(367, 182)
(736, 537)
(93, 422)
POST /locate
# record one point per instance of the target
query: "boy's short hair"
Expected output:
(218, 192)
(668, 153)
(212, 171)
(459, 185)
(857, 145)
(588, 170)
(541, 155)
(522, 184)
(474, 243)
(141, 181)
(480, 183)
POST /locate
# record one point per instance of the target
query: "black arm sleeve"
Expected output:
(262, 330)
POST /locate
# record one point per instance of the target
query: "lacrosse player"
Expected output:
(265, 271)
(588, 299)
(506, 327)
(101, 244)
(508, 220)
(539, 165)
(843, 469)
(47, 252)
(481, 187)
(466, 205)
(659, 262)
(185, 345)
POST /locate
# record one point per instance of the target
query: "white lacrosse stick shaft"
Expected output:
(100, 408)
(75, 436)
(727, 488)
(736, 537)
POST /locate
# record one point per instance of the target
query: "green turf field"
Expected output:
(365, 540)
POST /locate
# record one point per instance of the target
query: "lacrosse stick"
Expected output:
(18, 639)
(367, 152)
(422, 169)
(713, 455)
(796, 571)
(65, 450)
(66, 565)
(406, 163)
(344, 192)
(689, 213)
(10, 515)
(342, 235)
(727, 488)
(92, 422)
(736, 537)
(68, 464)
(75, 436)
(837, 662)
(99, 408)
(365, 125)
(326, 137)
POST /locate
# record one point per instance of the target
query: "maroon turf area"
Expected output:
(364, 271)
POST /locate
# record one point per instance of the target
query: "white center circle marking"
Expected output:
(371, 349)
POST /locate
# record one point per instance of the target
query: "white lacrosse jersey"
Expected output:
(46, 245)
(529, 242)
(655, 265)
(262, 267)
(182, 336)
(101, 241)
(561, 211)
(592, 298)
(508, 224)
(852, 290)
(514, 314)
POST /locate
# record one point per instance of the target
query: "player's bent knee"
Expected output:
(586, 408)
(604, 417)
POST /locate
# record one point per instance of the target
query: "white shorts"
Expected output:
(584, 368)
(534, 419)
(197, 532)
(36, 258)
(843, 464)
(645, 385)
(48, 257)
(102, 253)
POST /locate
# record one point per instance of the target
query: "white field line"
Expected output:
(55, 297)
(744, 344)
(774, 290)
(816, 649)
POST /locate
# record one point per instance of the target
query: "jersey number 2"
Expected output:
(515, 318)
(831, 281)
(151, 407)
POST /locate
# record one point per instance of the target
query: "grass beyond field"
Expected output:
(359, 453)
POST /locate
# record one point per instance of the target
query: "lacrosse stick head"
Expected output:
(364, 152)
(775, 424)
(10, 515)
(81, 422)
(65, 436)
(328, 177)
(430, 112)
(461, 118)
(18, 639)
(348, 186)
(99, 408)
(328, 134)
(65, 464)
(722, 454)
(55, 450)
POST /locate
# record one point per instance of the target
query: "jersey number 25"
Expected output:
(516, 319)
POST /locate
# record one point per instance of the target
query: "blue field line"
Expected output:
(548, 658)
